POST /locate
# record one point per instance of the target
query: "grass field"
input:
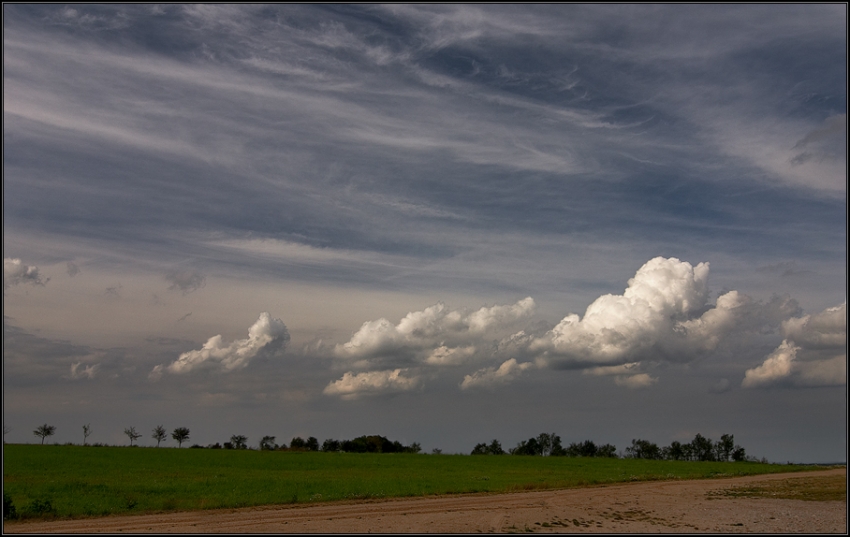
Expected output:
(75, 481)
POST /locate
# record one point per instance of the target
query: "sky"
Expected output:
(440, 224)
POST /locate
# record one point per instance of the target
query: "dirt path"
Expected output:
(665, 506)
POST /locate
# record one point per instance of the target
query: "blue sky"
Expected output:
(442, 224)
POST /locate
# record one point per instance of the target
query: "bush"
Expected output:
(9, 511)
(40, 507)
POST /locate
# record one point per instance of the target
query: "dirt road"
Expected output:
(703, 506)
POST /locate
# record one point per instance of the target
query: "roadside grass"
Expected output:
(75, 482)
(818, 489)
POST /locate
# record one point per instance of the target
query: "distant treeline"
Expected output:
(361, 444)
(549, 444)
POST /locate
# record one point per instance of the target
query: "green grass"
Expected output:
(76, 481)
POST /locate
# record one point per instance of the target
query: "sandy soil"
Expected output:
(653, 507)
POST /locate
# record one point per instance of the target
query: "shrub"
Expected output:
(9, 511)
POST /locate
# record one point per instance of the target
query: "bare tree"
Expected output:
(132, 434)
(44, 431)
(181, 434)
(159, 434)
(86, 432)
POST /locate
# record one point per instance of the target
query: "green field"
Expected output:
(75, 481)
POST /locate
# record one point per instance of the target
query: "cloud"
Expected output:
(352, 386)
(641, 380)
(721, 386)
(87, 372)
(434, 335)
(491, 377)
(833, 127)
(16, 273)
(662, 315)
(185, 281)
(799, 361)
(825, 330)
(624, 375)
(268, 334)
(72, 269)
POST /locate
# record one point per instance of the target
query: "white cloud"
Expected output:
(827, 329)
(434, 335)
(798, 361)
(662, 315)
(16, 273)
(777, 366)
(445, 356)
(267, 334)
(352, 386)
(490, 377)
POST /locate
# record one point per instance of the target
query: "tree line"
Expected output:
(549, 444)
(544, 444)
(361, 444)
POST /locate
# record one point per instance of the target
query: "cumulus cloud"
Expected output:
(435, 335)
(267, 335)
(662, 315)
(799, 360)
(185, 281)
(16, 273)
(352, 386)
(490, 377)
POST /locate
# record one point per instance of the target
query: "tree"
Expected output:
(132, 434)
(739, 454)
(239, 441)
(702, 448)
(44, 431)
(181, 434)
(607, 450)
(86, 432)
(495, 448)
(297, 443)
(159, 434)
(331, 445)
(643, 449)
(312, 444)
(480, 449)
(723, 448)
(267, 444)
(675, 452)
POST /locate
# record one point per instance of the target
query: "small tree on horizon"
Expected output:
(132, 435)
(86, 432)
(44, 431)
(181, 434)
(159, 434)
(239, 441)
(267, 443)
